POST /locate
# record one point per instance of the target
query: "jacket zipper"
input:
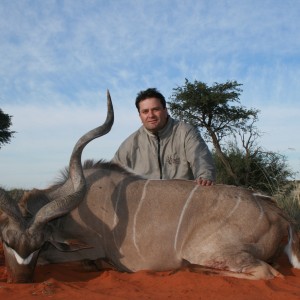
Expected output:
(158, 157)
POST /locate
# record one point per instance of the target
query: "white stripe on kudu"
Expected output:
(135, 217)
(116, 219)
(187, 202)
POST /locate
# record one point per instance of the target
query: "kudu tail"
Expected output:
(292, 249)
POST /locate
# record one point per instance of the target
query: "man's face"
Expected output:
(152, 114)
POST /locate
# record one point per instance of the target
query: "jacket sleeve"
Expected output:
(121, 156)
(199, 156)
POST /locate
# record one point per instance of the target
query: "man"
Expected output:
(164, 148)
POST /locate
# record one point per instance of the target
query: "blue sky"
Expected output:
(57, 58)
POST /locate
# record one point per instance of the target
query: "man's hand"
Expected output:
(204, 182)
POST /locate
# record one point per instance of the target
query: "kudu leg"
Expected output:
(262, 271)
(255, 272)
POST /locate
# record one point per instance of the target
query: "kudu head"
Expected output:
(23, 234)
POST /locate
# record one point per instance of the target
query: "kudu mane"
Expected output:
(92, 164)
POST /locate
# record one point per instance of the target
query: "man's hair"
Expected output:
(149, 93)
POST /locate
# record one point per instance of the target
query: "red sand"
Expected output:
(71, 281)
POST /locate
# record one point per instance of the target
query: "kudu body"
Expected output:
(105, 211)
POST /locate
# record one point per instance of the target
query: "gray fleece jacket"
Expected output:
(176, 152)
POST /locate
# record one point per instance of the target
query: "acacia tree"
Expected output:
(215, 110)
(5, 133)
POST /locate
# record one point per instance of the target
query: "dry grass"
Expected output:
(289, 200)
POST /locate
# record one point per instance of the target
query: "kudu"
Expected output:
(104, 211)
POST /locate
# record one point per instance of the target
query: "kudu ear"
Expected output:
(33, 201)
(9, 209)
(70, 245)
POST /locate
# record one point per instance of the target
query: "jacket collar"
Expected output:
(163, 132)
